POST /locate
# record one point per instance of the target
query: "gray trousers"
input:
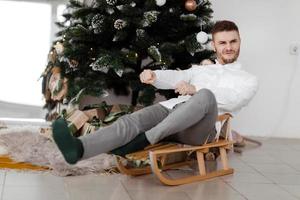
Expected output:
(191, 122)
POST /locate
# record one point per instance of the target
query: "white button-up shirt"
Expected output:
(232, 86)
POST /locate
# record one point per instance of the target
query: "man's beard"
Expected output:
(231, 60)
(228, 61)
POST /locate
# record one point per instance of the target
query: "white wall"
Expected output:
(268, 28)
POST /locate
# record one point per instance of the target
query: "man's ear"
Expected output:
(213, 45)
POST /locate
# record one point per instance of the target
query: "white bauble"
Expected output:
(202, 37)
(160, 2)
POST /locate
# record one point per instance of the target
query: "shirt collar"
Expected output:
(234, 65)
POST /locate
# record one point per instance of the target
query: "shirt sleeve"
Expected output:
(167, 79)
(233, 99)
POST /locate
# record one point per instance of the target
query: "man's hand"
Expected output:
(148, 76)
(184, 88)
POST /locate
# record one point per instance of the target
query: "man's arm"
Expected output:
(232, 100)
(184, 88)
(165, 79)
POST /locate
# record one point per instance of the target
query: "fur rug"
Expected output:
(25, 144)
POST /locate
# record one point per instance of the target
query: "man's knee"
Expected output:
(204, 93)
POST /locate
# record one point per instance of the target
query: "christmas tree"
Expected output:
(106, 44)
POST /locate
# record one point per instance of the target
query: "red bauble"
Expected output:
(190, 5)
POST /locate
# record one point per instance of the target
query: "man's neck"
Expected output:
(222, 63)
(218, 62)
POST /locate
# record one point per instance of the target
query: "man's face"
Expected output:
(227, 46)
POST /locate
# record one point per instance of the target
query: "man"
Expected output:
(190, 118)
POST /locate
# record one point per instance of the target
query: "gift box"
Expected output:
(87, 129)
(76, 120)
(97, 113)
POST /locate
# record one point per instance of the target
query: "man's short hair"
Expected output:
(224, 25)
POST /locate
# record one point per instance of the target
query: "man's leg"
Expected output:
(198, 134)
(108, 138)
(191, 122)
(138, 143)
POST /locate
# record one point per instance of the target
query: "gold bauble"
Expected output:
(190, 5)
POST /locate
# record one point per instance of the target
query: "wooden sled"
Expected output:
(7, 163)
(159, 153)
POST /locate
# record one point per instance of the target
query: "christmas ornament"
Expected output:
(111, 2)
(57, 85)
(202, 37)
(190, 5)
(160, 2)
(59, 48)
(150, 17)
(120, 24)
(97, 23)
